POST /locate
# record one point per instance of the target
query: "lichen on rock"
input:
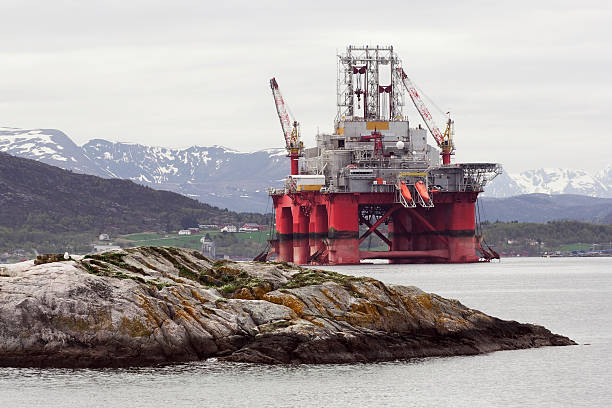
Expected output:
(157, 305)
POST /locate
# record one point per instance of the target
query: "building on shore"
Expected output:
(208, 247)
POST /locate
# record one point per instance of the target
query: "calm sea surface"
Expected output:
(569, 296)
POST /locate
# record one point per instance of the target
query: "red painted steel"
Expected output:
(446, 157)
(317, 230)
(343, 233)
(326, 226)
(284, 229)
(301, 250)
(295, 160)
(433, 253)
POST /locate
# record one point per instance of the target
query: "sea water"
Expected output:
(570, 296)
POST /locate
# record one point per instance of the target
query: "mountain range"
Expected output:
(215, 175)
(540, 208)
(552, 181)
(237, 180)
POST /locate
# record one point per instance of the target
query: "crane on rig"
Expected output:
(291, 129)
(444, 140)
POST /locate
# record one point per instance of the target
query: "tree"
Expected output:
(188, 221)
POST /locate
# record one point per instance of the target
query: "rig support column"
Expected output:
(460, 228)
(317, 230)
(343, 230)
(301, 250)
(284, 229)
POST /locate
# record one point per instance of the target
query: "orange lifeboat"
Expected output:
(405, 192)
(422, 190)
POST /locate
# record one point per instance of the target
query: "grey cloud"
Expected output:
(526, 81)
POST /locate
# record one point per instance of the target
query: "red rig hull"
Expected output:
(324, 228)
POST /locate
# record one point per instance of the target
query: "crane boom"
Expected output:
(281, 109)
(291, 133)
(444, 141)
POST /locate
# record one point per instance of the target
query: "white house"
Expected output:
(103, 237)
(229, 228)
(184, 232)
(249, 228)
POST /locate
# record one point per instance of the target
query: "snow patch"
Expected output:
(559, 181)
(142, 178)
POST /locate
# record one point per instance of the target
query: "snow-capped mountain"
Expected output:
(215, 175)
(49, 146)
(605, 178)
(235, 180)
(552, 181)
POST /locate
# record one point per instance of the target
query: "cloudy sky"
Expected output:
(528, 83)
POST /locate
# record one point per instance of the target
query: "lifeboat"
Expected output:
(422, 190)
(405, 192)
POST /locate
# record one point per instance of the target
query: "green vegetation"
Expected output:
(527, 238)
(99, 269)
(99, 265)
(228, 280)
(223, 276)
(245, 244)
(575, 247)
(117, 260)
(161, 239)
(229, 288)
(536, 239)
(54, 210)
(308, 277)
(142, 236)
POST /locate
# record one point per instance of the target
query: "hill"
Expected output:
(512, 238)
(48, 208)
(214, 175)
(546, 207)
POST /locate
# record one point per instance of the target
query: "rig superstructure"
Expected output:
(374, 169)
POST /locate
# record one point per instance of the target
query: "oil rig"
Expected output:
(376, 175)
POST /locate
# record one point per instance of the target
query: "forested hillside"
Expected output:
(47, 208)
(535, 239)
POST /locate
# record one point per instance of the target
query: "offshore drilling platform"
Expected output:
(373, 171)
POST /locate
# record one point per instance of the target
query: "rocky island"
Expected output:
(159, 305)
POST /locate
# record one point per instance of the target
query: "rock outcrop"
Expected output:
(156, 305)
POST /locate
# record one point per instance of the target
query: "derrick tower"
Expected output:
(374, 169)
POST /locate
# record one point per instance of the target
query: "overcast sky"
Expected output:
(528, 83)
